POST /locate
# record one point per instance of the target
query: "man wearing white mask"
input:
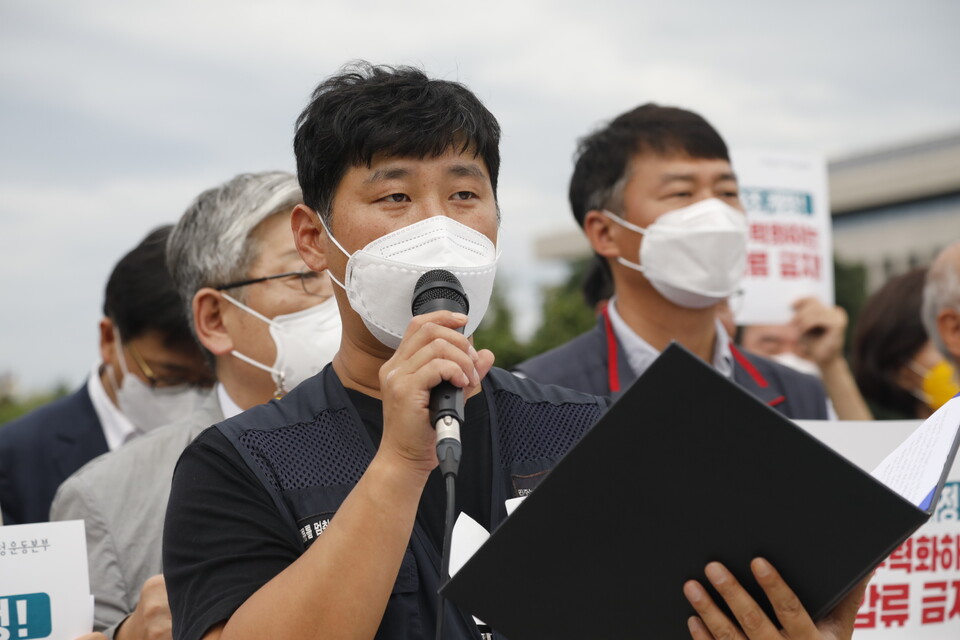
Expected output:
(150, 372)
(658, 200)
(265, 320)
(321, 515)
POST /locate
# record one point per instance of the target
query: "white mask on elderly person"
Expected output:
(306, 342)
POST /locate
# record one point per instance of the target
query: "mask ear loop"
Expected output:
(623, 223)
(496, 258)
(920, 394)
(339, 246)
(255, 314)
(112, 379)
(120, 358)
(632, 227)
(917, 369)
(112, 375)
(277, 376)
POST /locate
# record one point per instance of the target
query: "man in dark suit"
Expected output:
(150, 373)
(658, 200)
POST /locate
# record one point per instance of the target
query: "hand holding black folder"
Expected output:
(751, 622)
(686, 468)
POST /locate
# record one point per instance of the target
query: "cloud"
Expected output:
(58, 247)
(115, 114)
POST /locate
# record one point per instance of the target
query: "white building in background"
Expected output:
(896, 208)
(893, 208)
(8, 386)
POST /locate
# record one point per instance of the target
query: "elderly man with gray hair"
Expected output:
(265, 321)
(941, 304)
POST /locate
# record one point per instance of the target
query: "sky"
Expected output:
(115, 114)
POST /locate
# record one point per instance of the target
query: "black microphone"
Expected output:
(436, 290)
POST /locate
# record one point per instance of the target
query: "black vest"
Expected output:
(310, 449)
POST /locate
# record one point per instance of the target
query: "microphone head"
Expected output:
(439, 289)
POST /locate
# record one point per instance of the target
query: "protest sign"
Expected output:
(915, 594)
(789, 245)
(44, 584)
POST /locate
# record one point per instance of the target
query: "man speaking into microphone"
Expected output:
(321, 515)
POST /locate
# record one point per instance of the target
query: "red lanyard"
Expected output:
(753, 373)
(613, 374)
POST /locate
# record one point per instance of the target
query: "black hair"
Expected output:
(889, 333)
(602, 158)
(596, 285)
(368, 110)
(140, 294)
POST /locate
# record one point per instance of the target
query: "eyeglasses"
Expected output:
(312, 282)
(158, 382)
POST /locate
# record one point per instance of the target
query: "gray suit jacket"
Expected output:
(122, 498)
(583, 364)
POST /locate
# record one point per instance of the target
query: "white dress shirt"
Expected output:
(117, 428)
(640, 354)
(227, 405)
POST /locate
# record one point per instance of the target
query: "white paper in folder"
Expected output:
(915, 467)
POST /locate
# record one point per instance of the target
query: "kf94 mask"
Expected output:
(306, 342)
(694, 256)
(380, 277)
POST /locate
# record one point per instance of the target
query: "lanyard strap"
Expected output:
(613, 373)
(749, 368)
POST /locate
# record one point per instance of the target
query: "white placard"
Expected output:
(915, 594)
(789, 245)
(44, 584)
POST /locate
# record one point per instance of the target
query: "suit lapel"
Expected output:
(79, 437)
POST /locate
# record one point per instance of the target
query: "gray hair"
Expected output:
(941, 291)
(611, 198)
(213, 243)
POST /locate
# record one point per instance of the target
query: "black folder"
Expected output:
(685, 468)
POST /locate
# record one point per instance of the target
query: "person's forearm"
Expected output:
(342, 583)
(843, 391)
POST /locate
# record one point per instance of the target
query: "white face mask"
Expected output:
(306, 342)
(380, 278)
(694, 256)
(148, 408)
(795, 362)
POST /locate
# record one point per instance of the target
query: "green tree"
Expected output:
(850, 286)
(565, 316)
(11, 409)
(496, 333)
(565, 313)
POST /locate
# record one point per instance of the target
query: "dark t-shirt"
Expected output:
(224, 507)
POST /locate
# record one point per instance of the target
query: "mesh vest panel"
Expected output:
(325, 452)
(534, 430)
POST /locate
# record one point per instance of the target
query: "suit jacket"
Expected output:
(122, 499)
(584, 364)
(40, 450)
